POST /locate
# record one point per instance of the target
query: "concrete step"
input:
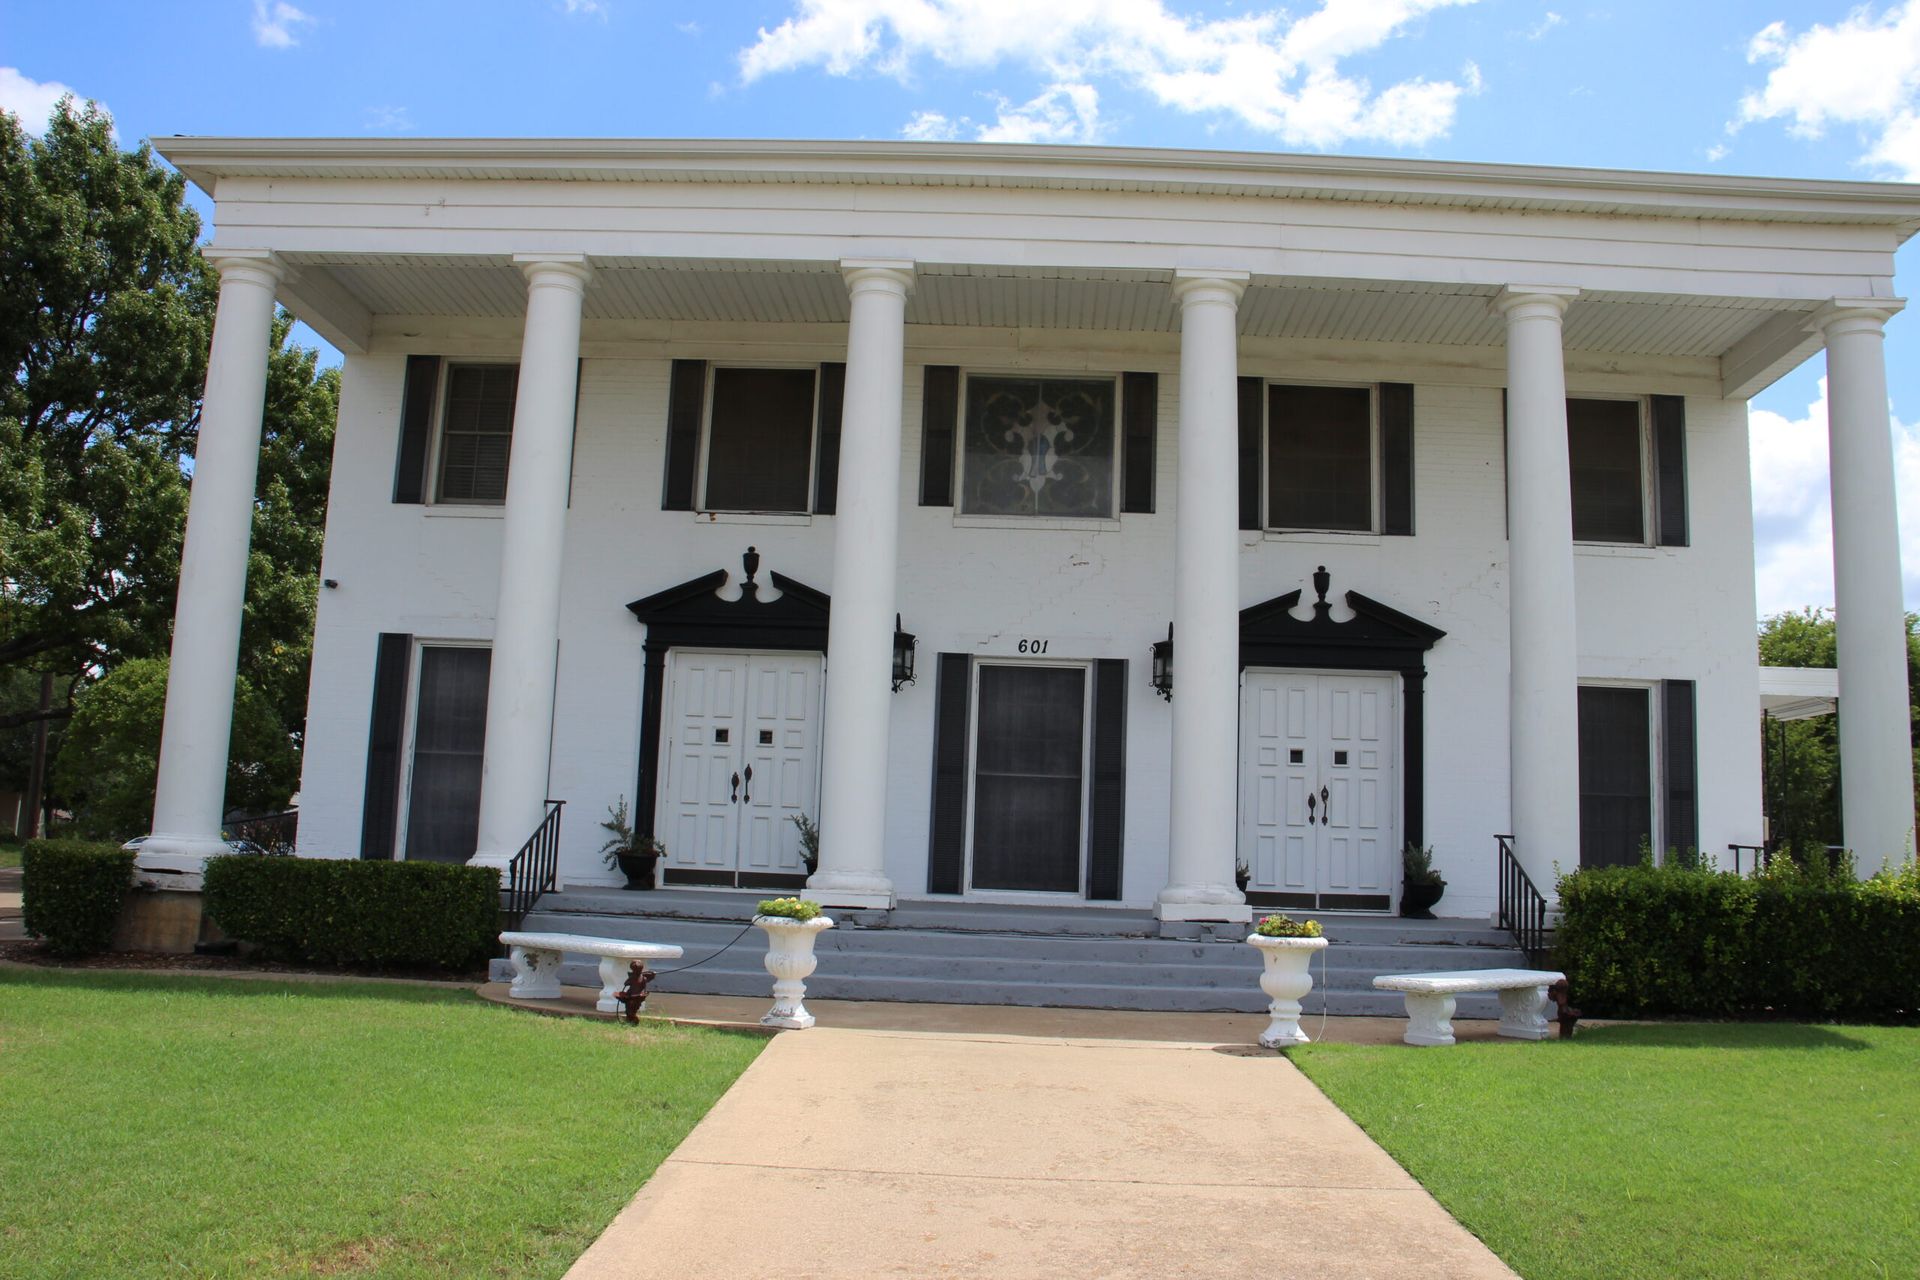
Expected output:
(1105, 970)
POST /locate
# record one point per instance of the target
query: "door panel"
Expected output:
(742, 755)
(1318, 804)
(1029, 778)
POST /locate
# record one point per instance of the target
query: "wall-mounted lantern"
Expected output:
(1163, 665)
(903, 646)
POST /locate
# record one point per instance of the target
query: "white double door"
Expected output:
(742, 752)
(1318, 798)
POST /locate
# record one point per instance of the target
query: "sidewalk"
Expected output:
(977, 1153)
(11, 928)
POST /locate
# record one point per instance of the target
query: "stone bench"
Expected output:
(1430, 1000)
(536, 963)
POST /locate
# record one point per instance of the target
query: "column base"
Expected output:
(174, 861)
(843, 889)
(1228, 912)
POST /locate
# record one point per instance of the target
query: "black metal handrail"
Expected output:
(274, 832)
(532, 870)
(1761, 856)
(1523, 908)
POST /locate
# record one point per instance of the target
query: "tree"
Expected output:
(106, 310)
(111, 751)
(1802, 765)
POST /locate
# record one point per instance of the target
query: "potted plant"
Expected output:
(636, 855)
(1287, 947)
(1242, 875)
(1420, 885)
(809, 841)
(791, 925)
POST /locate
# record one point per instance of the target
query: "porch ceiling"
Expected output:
(1039, 298)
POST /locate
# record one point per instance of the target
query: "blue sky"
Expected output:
(1811, 88)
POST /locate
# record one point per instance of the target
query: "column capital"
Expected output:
(555, 268)
(1525, 301)
(1852, 315)
(1209, 284)
(891, 275)
(262, 267)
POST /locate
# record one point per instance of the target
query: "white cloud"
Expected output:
(930, 126)
(585, 9)
(1061, 113)
(389, 120)
(31, 101)
(277, 25)
(1277, 74)
(1546, 24)
(1863, 71)
(1792, 517)
(1716, 153)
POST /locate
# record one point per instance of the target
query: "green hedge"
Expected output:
(1641, 940)
(72, 891)
(345, 911)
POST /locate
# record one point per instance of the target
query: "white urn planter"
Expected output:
(791, 961)
(1286, 980)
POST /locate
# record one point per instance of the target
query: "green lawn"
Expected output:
(1745, 1151)
(242, 1127)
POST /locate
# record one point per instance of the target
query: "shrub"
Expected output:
(1798, 942)
(345, 911)
(790, 908)
(72, 892)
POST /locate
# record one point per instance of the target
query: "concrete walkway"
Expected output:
(845, 1152)
(12, 929)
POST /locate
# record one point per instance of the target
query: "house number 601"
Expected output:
(1033, 646)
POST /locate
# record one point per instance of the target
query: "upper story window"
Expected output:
(760, 440)
(476, 434)
(1321, 472)
(1038, 447)
(1606, 462)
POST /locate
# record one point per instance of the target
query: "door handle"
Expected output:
(1309, 808)
(733, 797)
(1326, 806)
(747, 796)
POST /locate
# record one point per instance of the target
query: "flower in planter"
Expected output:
(790, 908)
(1287, 927)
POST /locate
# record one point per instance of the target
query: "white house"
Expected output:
(644, 446)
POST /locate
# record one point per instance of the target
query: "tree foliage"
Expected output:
(1802, 757)
(111, 751)
(106, 312)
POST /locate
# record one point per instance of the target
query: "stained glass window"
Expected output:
(1038, 447)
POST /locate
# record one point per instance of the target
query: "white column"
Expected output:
(1543, 702)
(1876, 762)
(526, 628)
(1206, 606)
(190, 792)
(854, 759)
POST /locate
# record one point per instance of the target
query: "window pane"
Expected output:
(1616, 776)
(1319, 458)
(760, 448)
(477, 432)
(1603, 459)
(1027, 778)
(449, 734)
(1038, 447)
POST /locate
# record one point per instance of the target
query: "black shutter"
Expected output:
(1107, 811)
(1396, 458)
(685, 399)
(1140, 402)
(416, 428)
(946, 847)
(1679, 765)
(1252, 398)
(939, 419)
(826, 469)
(1670, 470)
(380, 807)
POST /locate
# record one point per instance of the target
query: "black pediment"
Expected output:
(1377, 637)
(694, 614)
